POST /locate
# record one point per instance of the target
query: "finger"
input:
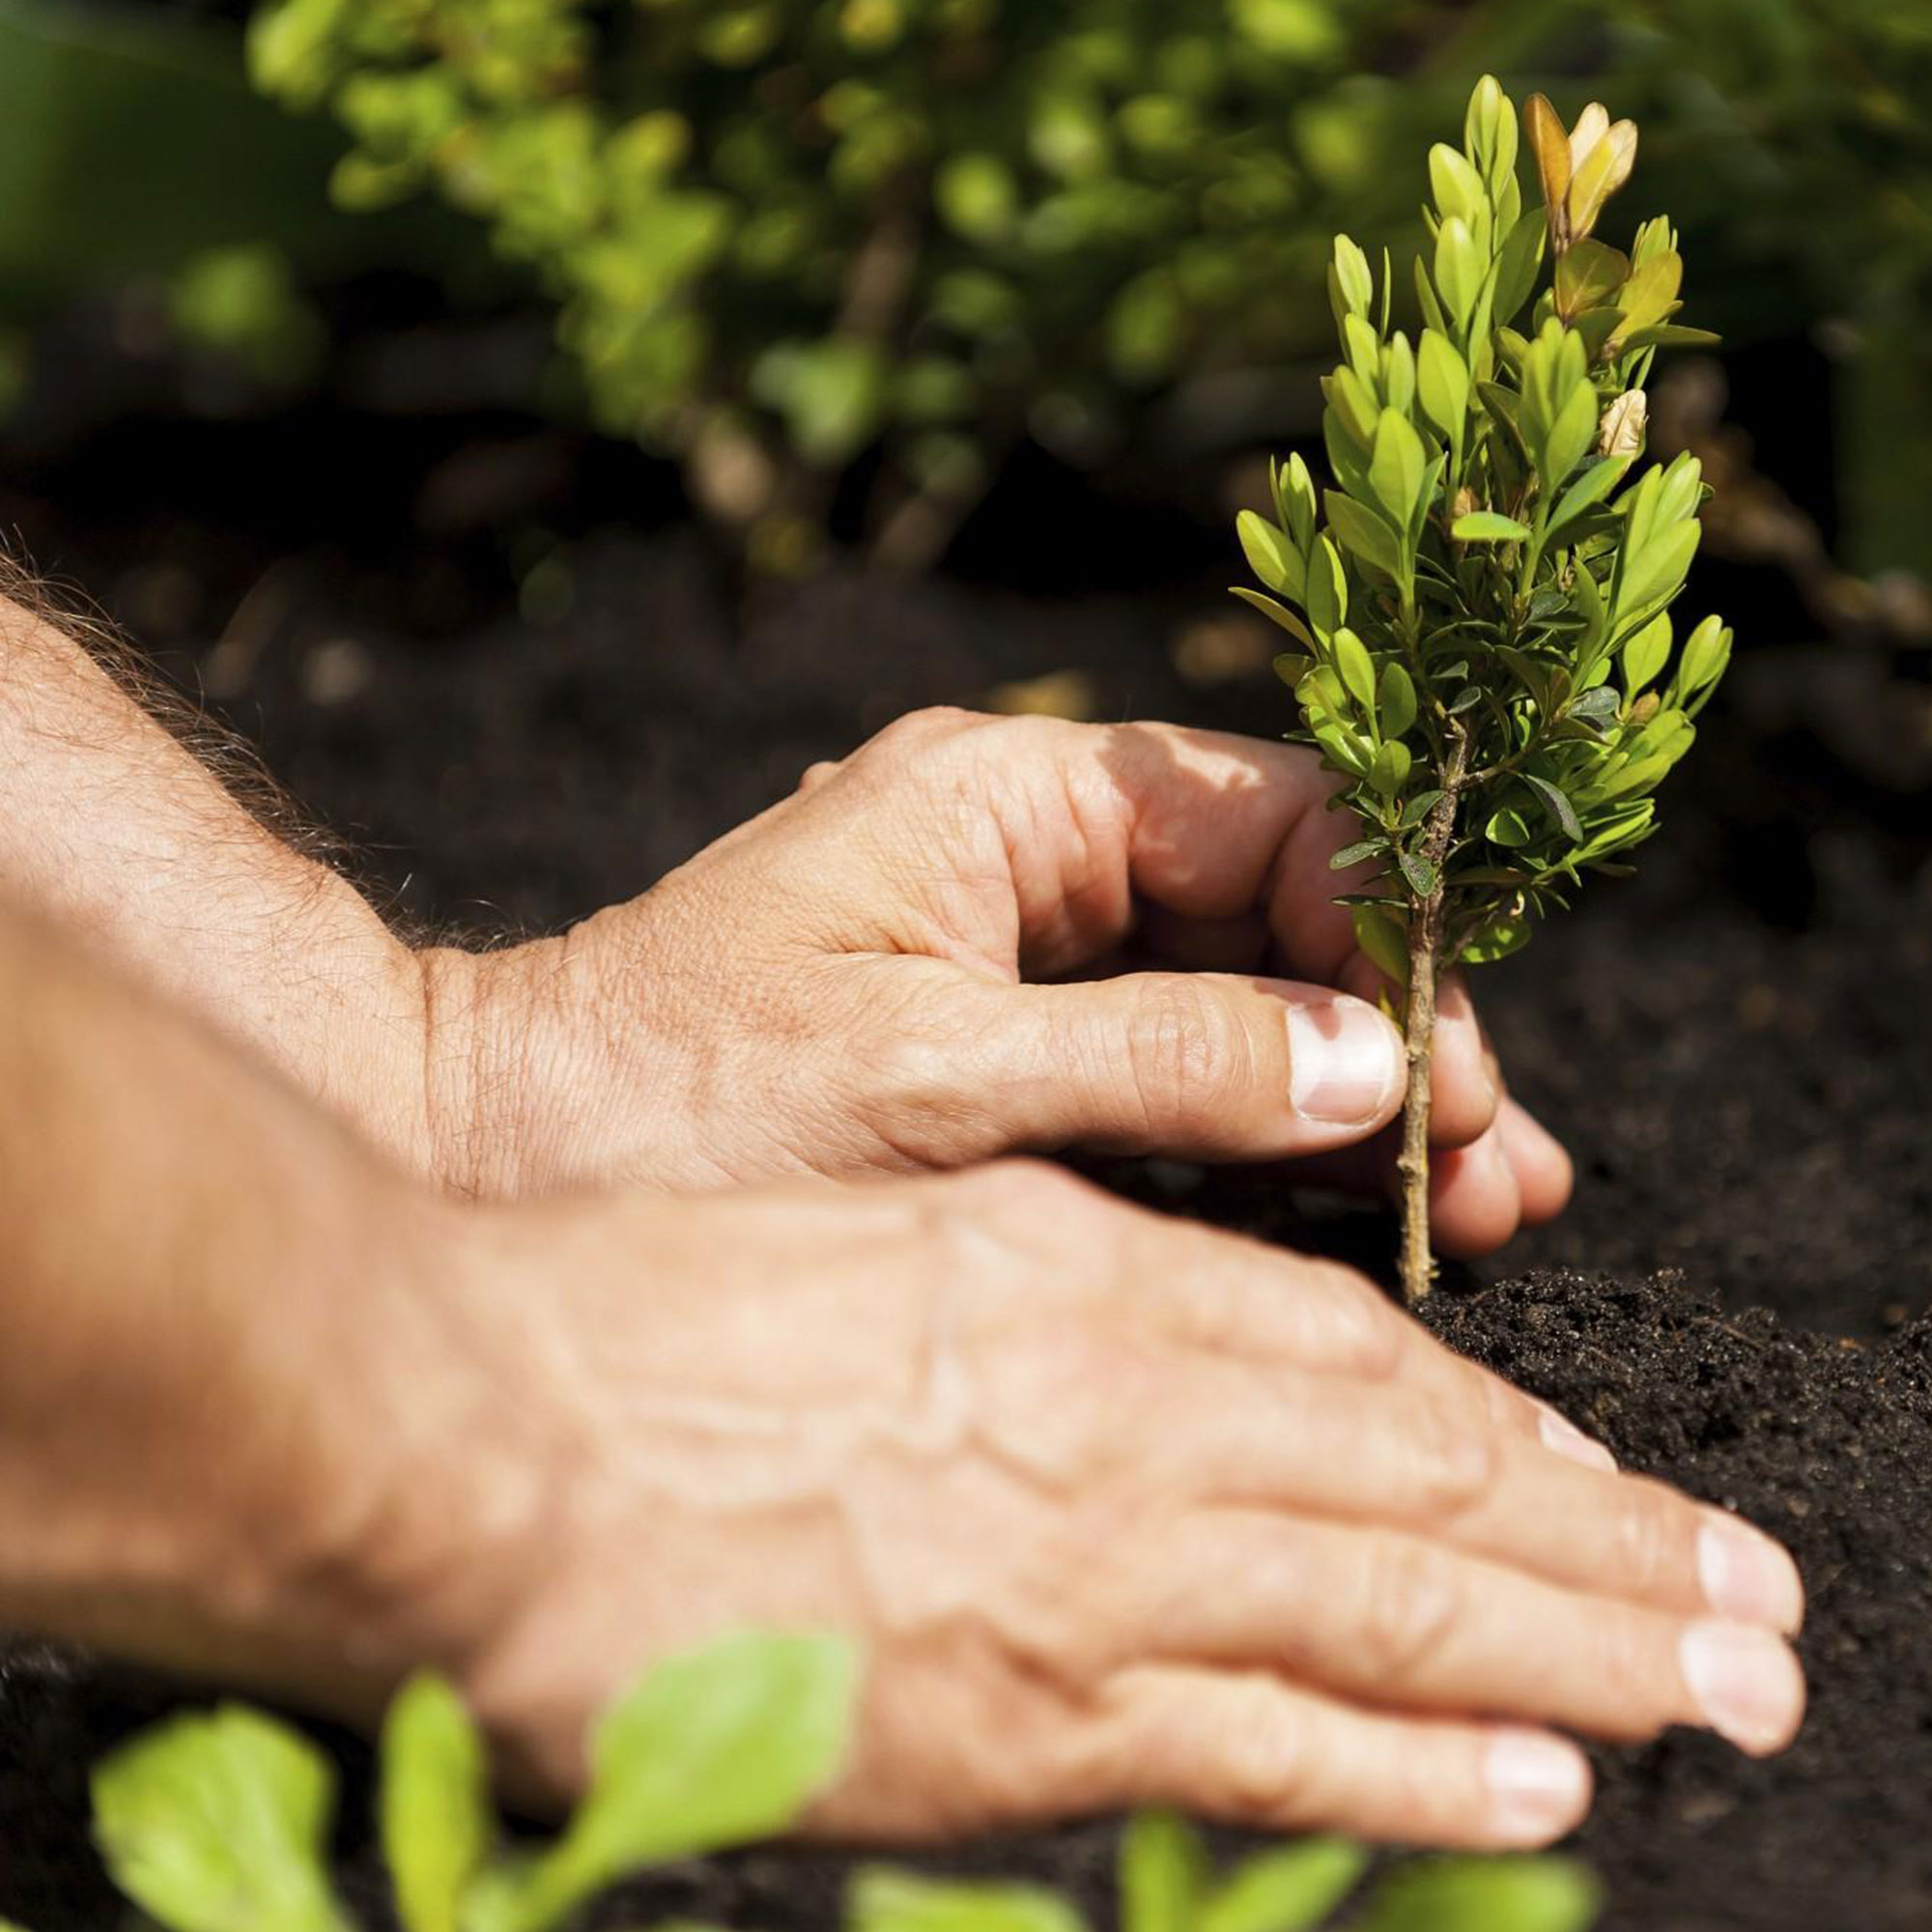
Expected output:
(1166, 939)
(1208, 1065)
(1465, 1087)
(1200, 823)
(1251, 1750)
(1432, 1464)
(1227, 1294)
(1476, 1203)
(1407, 1622)
(1544, 1175)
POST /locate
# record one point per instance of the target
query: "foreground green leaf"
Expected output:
(890, 1901)
(434, 1803)
(1531, 1894)
(218, 1822)
(717, 1749)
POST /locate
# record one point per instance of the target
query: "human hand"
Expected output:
(1121, 1511)
(878, 976)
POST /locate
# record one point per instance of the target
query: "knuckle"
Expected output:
(1452, 1466)
(913, 729)
(1036, 1194)
(1644, 1549)
(1362, 1334)
(1411, 1605)
(1268, 1774)
(1641, 1695)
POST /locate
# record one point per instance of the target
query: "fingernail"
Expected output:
(1748, 1578)
(1538, 1786)
(1562, 1437)
(1746, 1682)
(1345, 1062)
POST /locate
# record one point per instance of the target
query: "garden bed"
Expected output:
(1737, 1044)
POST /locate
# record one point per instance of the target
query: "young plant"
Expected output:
(219, 1821)
(1482, 599)
(1167, 1884)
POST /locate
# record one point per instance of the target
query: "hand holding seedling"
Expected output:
(850, 985)
(885, 973)
(1485, 595)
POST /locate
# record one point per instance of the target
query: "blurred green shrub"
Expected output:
(783, 233)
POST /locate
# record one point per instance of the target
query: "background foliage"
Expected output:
(786, 238)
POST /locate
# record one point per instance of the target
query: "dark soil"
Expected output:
(1737, 1044)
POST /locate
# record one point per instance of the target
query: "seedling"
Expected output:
(221, 1822)
(1168, 1883)
(1482, 599)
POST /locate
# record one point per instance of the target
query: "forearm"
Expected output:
(113, 830)
(226, 1390)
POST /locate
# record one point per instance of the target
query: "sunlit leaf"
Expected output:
(218, 1822)
(434, 1803)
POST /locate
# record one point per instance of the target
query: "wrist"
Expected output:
(542, 1069)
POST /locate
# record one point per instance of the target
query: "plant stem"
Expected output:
(1425, 958)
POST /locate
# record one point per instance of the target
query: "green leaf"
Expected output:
(1706, 655)
(1291, 1889)
(1459, 269)
(1488, 526)
(1497, 941)
(1589, 490)
(1671, 336)
(893, 1901)
(1395, 701)
(437, 1823)
(1466, 699)
(1518, 264)
(1398, 375)
(716, 1747)
(832, 394)
(218, 1822)
(1419, 809)
(1351, 270)
(1349, 752)
(1507, 828)
(1589, 276)
(1657, 575)
(1598, 708)
(1443, 381)
(1327, 600)
(1572, 436)
(1355, 855)
(1472, 1895)
(1358, 669)
(1363, 533)
(976, 197)
(1420, 873)
(1646, 654)
(1389, 772)
(1291, 667)
(1277, 613)
(1267, 552)
(1458, 188)
(1382, 938)
(1395, 467)
(1163, 1873)
(1559, 807)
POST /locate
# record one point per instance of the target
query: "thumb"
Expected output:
(1210, 1065)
